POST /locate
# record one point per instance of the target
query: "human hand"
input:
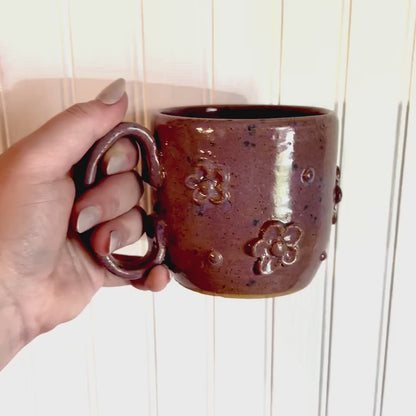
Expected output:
(46, 275)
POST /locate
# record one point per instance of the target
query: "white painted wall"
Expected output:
(343, 346)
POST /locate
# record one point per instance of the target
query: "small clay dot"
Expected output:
(215, 258)
(251, 129)
(323, 256)
(337, 194)
(308, 175)
(338, 173)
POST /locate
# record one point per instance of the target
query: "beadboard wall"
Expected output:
(345, 345)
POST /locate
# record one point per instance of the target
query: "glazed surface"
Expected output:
(248, 203)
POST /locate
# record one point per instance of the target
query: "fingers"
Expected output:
(156, 280)
(119, 232)
(113, 196)
(121, 157)
(122, 231)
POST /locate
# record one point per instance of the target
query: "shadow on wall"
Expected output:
(30, 103)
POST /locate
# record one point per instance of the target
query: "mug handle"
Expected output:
(133, 267)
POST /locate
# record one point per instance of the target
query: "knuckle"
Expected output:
(80, 110)
(135, 184)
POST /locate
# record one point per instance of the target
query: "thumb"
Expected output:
(62, 141)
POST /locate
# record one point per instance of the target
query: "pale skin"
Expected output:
(47, 277)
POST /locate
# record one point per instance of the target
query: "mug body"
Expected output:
(247, 197)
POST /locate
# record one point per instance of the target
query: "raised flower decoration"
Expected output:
(276, 246)
(209, 182)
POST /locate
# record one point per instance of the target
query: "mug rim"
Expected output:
(263, 112)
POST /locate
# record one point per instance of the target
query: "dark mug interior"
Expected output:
(243, 112)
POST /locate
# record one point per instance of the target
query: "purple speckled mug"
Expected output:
(246, 195)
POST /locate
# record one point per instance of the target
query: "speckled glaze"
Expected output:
(246, 197)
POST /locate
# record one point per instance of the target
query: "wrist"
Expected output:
(13, 332)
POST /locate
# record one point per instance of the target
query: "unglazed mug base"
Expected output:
(235, 295)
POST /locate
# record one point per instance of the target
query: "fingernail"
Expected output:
(113, 92)
(116, 163)
(114, 241)
(87, 218)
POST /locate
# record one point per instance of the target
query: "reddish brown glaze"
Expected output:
(247, 196)
(279, 169)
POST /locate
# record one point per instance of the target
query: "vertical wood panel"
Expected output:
(123, 352)
(310, 60)
(30, 51)
(177, 54)
(400, 361)
(310, 56)
(179, 352)
(184, 362)
(123, 344)
(60, 366)
(176, 59)
(246, 42)
(370, 124)
(32, 64)
(105, 45)
(407, 52)
(401, 365)
(340, 105)
(239, 357)
(17, 395)
(246, 51)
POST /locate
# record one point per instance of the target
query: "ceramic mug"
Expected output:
(245, 196)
